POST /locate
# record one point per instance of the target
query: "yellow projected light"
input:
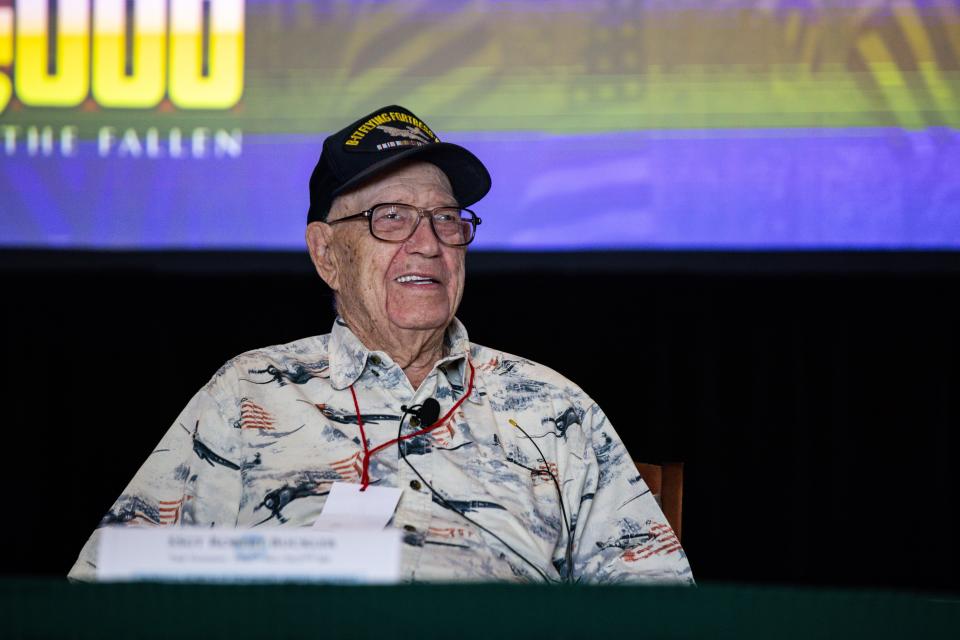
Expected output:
(69, 84)
(146, 85)
(205, 49)
(222, 86)
(6, 54)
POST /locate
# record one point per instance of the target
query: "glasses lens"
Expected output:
(397, 222)
(453, 225)
(393, 221)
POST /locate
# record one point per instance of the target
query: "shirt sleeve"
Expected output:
(192, 477)
(621, 535)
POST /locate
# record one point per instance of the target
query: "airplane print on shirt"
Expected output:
(290, 373)
(559, 425)
(344, 417)
(277, 499)
(205, 453)
(276, 427)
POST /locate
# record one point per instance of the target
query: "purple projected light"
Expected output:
(757, 189)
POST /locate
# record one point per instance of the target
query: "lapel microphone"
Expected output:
(427, 413)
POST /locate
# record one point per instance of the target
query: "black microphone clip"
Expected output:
(427, 412)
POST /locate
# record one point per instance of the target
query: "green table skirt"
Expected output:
(57, 609)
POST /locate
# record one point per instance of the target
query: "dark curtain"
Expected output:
(816, 409)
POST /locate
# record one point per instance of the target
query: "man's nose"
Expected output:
(423, 241)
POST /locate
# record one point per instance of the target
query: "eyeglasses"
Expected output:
(397, 222)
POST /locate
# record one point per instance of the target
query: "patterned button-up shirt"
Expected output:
(262, 442)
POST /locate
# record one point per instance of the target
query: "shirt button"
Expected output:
(410, 528)
(415, 485)
(414, 421)
(375, 360)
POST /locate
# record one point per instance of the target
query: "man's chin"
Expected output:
(420, 322)
(419, 313)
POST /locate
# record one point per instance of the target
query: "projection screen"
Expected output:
(657, 124)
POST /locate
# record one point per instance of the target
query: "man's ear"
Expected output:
(319, 242)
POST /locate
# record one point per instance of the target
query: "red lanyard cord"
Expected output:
(365, 478)
(367, 452)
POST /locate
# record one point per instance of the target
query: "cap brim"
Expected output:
(468, 177)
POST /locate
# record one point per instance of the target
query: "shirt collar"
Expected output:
(456, 365)
(349, 357)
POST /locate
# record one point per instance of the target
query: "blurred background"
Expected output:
(736, 224)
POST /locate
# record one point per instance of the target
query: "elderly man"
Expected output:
(508, 470)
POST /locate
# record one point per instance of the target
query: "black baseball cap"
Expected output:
(380, 141)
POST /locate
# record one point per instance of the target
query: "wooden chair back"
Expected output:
(666, 484)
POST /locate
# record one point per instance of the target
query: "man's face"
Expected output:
(373, 278)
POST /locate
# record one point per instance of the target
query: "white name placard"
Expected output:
(241, 555)
(349, 508)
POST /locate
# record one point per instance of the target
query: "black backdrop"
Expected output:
(814, 398)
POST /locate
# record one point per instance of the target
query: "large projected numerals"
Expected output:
(62, 81)
(129, 75)
(133, 43)
(6, 55)
(208, 77)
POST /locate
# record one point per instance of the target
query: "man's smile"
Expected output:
(416, 279)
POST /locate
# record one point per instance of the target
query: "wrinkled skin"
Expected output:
(405, 320)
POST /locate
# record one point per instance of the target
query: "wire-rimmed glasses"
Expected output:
(396, 222)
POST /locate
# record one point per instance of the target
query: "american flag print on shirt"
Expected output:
(253, 416)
